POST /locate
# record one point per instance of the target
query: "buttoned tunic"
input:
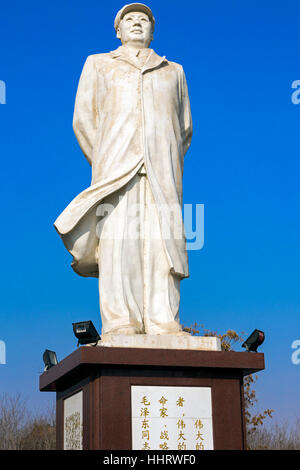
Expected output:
(128, 116)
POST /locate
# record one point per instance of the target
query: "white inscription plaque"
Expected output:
(73, 422)
(171, 418)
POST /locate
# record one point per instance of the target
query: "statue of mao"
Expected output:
(132, 120)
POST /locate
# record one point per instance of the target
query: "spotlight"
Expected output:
(50, 359)
(85, 332)
(256, 338)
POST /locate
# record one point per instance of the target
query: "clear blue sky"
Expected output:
(240, 59)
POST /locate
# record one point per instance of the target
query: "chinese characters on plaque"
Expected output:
(73, 422)
(171, 418)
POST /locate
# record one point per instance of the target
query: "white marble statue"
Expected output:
(133, 123)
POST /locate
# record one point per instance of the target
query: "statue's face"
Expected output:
(135, 27)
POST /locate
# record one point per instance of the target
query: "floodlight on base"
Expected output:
(49, 358)
(85, 332)
(256, 338)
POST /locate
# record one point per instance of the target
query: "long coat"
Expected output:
(126, 116)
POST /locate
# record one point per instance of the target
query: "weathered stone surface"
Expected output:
(132, 120)
(201, 343)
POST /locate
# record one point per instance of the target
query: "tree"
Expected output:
(21, 430)
(13, 418)
(254, 421)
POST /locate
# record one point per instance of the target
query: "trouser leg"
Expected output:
(161, 288)
(135, 284)
(120, 262)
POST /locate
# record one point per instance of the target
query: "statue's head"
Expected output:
(134, 25)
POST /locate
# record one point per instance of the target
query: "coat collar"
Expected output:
(153, 61)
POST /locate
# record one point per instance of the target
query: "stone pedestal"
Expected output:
(180, 341)
(123, 398)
